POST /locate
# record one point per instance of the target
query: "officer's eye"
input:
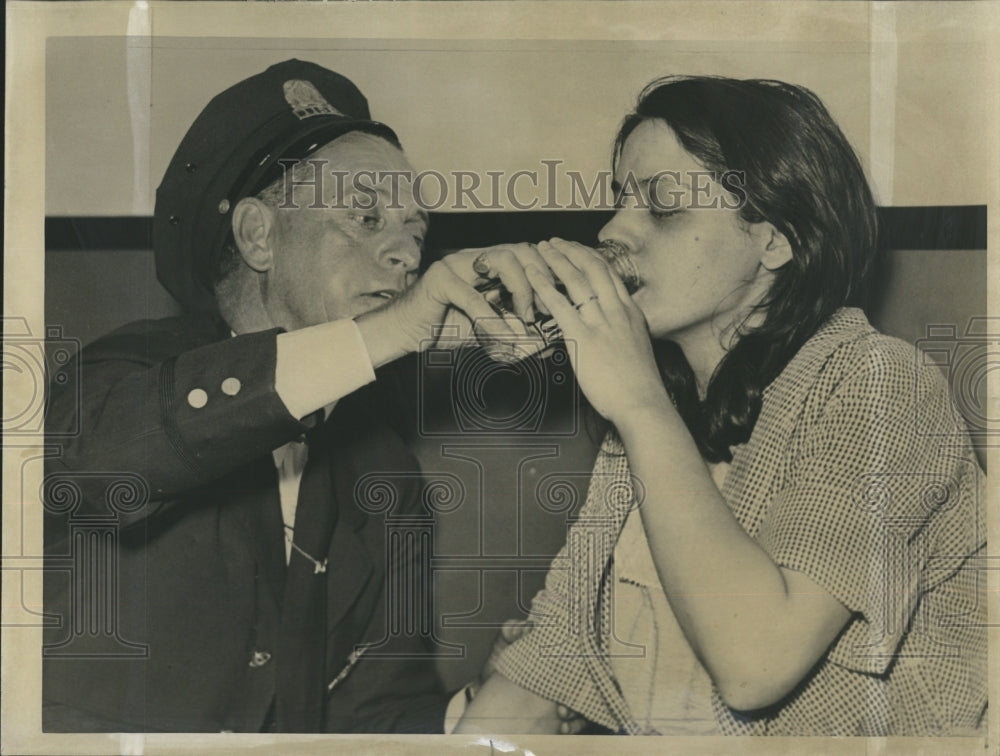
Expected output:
(418, 235)
(368, 221)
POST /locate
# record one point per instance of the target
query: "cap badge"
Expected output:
(306, 101)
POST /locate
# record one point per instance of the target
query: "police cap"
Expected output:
(232, 151)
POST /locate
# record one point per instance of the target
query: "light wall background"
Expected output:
(907, 83)
(491, 105)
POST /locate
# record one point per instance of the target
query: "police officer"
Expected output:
(247, 581)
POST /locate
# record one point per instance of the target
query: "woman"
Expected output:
(775, 540)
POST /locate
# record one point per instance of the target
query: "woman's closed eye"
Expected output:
(665, 198)
(662, 213)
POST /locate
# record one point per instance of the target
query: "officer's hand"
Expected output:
(442, 306)
(505, 263)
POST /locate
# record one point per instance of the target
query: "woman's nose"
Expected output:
(618, 227)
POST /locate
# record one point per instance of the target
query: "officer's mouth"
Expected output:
(386, 294)
(381, 296)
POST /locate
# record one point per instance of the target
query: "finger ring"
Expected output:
(480, 266)
(587, 301)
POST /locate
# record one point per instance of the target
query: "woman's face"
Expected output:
(702, 266)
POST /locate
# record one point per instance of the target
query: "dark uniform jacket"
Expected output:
(165, 552)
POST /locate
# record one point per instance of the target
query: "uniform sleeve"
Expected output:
(153, 406)
(858, 516)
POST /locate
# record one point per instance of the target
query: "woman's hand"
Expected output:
(606, 335)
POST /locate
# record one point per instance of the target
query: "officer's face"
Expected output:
(356, 251)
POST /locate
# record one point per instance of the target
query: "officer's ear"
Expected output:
(252, 224)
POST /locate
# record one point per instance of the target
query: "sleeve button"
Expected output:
(231, 386)
(259, 659)
(197, 398)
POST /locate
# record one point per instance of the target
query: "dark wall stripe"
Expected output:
(73, 233)
(929, 227)
(942, 227)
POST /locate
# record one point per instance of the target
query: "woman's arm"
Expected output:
(757, 628)
(504, 707)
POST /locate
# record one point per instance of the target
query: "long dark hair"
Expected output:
(799, 174)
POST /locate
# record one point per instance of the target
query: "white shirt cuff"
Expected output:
(318, 365)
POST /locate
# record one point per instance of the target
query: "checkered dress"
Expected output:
(859, 474)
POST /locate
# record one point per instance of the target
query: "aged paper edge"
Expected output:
(29, 24)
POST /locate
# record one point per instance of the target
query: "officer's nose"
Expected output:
(403, 254)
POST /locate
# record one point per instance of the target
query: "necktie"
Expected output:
(301, 659)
